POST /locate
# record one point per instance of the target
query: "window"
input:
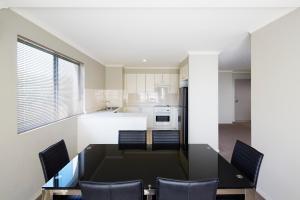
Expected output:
(48, 86)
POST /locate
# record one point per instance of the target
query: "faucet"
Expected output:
(108, 107)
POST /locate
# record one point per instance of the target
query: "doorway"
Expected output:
(242, 102)
(237, 102)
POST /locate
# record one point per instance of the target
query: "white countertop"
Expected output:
(113, 113)
(148, 105)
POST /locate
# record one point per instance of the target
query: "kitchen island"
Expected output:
(103, 127)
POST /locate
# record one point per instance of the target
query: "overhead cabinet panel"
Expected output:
(184, 72)
(141, 83)
(158, 79)
(131, 83)
(165, 79)
(150, 82)
(174, 83)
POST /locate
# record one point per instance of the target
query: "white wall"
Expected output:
(276, 106)
(227, 94)
(114, 86)
(20, 170)
(114, 78)
(203, 99)
(226, 98)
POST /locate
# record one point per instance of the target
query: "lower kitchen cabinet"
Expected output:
(150, 116)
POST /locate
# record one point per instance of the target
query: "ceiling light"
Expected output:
(144, 60)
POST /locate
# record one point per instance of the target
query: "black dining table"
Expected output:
(112, 162)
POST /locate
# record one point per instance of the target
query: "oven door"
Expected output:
(162, 120)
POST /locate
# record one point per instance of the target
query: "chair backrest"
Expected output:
(127, 190)
(169, 189)
(53, 159)
(132, 137)
(247, 160)
(165, 137)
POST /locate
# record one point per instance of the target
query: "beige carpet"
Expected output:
(229, 133)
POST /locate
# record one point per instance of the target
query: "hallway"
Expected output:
(229, 133)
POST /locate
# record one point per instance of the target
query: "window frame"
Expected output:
(56, 56)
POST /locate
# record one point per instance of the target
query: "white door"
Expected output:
(242, 100)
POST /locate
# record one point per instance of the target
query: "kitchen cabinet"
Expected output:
(184, 72)
(147, 83)
(174, 84)
(158, 79)
(150, 83)
(165, 79)
(150, 115)
(147, 110)
(131, 83)
(140, 83)
(162, 79)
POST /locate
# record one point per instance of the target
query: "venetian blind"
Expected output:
(48, 87)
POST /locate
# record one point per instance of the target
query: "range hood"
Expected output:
(162, 91)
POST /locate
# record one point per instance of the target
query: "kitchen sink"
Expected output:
(109, 108)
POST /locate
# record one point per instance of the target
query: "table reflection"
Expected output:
(107, 163)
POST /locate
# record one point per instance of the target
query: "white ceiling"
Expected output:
(163, 36)
(237, 56)
(151, 3)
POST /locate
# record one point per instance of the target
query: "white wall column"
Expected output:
(203, 98)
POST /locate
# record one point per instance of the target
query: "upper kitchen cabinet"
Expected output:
(184, 70)
(158, 79)
(150, 82)
(131, 83)
(165, 79)
(174, 84)
(162, 79)
(140, 83)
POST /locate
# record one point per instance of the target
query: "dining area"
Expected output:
(163, 170)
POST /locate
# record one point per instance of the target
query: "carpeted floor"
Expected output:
(229, 133)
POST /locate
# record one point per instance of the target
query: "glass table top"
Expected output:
(111, 162)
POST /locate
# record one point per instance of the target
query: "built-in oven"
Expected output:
(162, 117)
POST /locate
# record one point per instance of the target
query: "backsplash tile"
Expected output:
(151, 98)
(94, 100)
(114, 98)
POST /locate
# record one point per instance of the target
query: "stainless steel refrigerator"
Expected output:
(183, 117)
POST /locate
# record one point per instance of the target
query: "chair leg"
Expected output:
(47, 195)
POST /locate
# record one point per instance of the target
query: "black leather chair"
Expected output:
(53, 159)
(247, 160)
(132, 139)
(127, 190)
(165, 137)
(169, 189)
